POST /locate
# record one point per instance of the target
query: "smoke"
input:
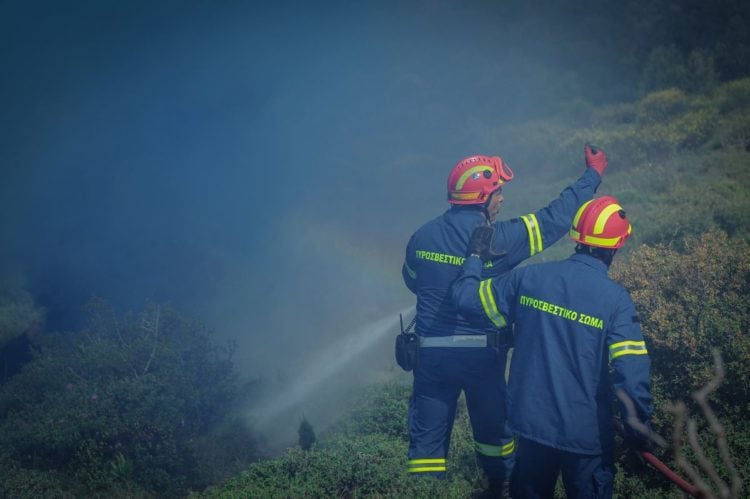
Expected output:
(260, 167)
(319, 381)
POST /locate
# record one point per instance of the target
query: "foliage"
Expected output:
(306, 435)
(691, 303)
(667, 67)
(18, 313)
(364, 456)
(121, 404)
(692, 300)
(679, 162)
(379, 410)
(364, 466)
(137, 406)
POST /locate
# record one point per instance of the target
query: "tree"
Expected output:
(306, 435)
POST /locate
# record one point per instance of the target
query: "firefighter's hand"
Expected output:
(635, 446)
(481, 242)
(633, 461)
(637, 440)
(595, 158)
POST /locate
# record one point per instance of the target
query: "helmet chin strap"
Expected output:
(486, 211)
(486, 207)
(486, 214)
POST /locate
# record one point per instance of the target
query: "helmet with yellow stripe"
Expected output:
(475, 178)
(601, 223)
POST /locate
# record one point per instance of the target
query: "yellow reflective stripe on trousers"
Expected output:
(495, 450)
(629, 347)
(535, 234)
(488, 303)
(426, 465)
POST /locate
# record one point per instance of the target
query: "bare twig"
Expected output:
(701, 397)
(633, 422)
(705, 465)
(680, 411)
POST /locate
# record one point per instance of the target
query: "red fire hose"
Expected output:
(688, 487)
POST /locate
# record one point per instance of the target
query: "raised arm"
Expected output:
(533, 233)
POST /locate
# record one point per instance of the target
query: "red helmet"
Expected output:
(473, 179)
(601, 222)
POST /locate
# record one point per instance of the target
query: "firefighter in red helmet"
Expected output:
(454, 354)
(573, 326)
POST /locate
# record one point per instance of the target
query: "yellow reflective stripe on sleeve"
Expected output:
(532, 249)
(535, 235)
(495, 450)
(488, 303)
(538, 230)
(426, 465)
(629, 347)
(409, 271)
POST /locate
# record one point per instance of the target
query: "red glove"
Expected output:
(595, 158)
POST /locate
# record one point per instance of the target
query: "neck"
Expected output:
(603, 254)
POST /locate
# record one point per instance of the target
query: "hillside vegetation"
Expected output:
(143, 405)
(681, 168)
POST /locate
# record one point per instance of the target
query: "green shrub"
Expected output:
(691, 300)
(733, 95)
(379, 409)
(658, 107)
(664, 68)
(18, 313)
(121, 402)
(306, 435)
(363, 456)
(733, 132)
(361, 466)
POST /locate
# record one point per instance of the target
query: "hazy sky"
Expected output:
(260, 165)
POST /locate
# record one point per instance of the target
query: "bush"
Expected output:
(122, 402)
(363, 456)
(733, 95)
(664, 68)
(691, 300)
(661, 106)
(306, 435)
(380, 410)
(18, 313)
(362, 466)
(691, 303)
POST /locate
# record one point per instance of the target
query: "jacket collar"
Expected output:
(589, 260)
(469, 212)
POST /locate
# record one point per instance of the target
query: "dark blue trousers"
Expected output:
(538, 466)
(438, 381)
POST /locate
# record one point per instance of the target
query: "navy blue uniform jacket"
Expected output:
(437, 250)
(572, 325)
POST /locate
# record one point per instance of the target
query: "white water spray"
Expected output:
(316, 375)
